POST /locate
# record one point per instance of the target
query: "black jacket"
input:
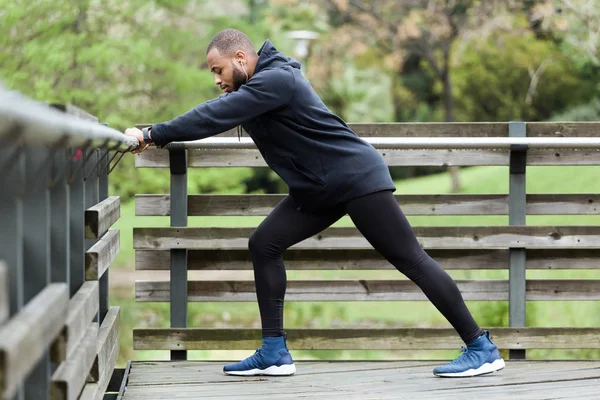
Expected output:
(317, 155)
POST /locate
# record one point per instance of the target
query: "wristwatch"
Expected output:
(145, 133)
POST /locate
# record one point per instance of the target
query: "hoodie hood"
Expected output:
(270, 57)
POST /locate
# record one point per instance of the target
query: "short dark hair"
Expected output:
(229, 41)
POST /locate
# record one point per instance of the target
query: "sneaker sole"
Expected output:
(486, 368)
(284, 370)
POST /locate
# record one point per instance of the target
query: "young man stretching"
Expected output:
(330, 172)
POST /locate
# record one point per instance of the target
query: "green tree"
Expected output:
(517, 77)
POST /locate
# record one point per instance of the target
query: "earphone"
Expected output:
(242, 64)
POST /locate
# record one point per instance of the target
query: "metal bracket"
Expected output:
(178, 161)
(518, 158)
(116, 162)
(91, 172)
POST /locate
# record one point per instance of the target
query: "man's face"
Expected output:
(229, 73)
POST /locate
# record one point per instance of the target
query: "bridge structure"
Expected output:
(59, 335)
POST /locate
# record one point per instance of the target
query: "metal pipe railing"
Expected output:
(36, 124)
(421, 143)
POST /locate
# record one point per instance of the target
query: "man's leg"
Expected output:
(284, 227)
(379, 218)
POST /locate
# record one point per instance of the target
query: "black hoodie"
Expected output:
(317, 155)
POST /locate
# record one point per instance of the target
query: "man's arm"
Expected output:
(264, 92)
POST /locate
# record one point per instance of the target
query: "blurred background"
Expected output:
(143, 61)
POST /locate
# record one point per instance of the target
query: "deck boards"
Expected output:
(364, 380)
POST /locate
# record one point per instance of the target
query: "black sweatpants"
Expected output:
(381, 221)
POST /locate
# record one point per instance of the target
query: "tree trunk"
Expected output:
(449, 114)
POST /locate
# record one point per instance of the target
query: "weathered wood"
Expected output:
(431, 129)
(411, 204)
(72, 374)
(349, 259)
(523, 380)
(370, 290)
(340, 238)
(362, 339)
(421, 143)
(96, 390)
(99, 218)
(563, 129)
(4, 306)
(27, 336)
(99, 257)
(462, 129)
(201, 158)
(107, 346)
(83, 307)
(352, 259)
(424, 129)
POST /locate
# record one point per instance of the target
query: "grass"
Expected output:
(475, 180)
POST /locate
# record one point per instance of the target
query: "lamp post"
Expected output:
(302, 39)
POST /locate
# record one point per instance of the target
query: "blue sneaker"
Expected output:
(273, 358)
(478, 358)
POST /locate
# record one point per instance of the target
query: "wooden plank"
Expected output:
(349, 259)
(96, 390)
(206, 205)
(4, 305)
(99, 218)
(201, 158)
(108, 341)
(364, 379)
(100, 256)
(352, 259)
(563, 129)
(72, 374)
(362, 339)
(420, 143)
(461, 129)
(460, 237)
(369, 290)
(83, 307)
(417, 129)
(431, 129)
(411, 204)
(27, 336)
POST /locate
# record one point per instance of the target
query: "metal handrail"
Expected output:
(36, 124)
(423, 143)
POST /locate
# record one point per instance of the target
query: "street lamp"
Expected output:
(302, 39)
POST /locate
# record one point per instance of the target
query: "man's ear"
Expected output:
(240, 57)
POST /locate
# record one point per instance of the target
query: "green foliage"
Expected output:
(584, 112)
(363, 95)
(492, 80)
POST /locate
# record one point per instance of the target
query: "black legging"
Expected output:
(381, 221)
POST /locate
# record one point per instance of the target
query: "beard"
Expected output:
(239, 77)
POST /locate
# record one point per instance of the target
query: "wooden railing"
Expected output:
(514, 247)
(59, 338)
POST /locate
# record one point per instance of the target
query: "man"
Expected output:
(330, 172)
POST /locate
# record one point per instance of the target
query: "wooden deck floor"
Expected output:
(365, 380)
